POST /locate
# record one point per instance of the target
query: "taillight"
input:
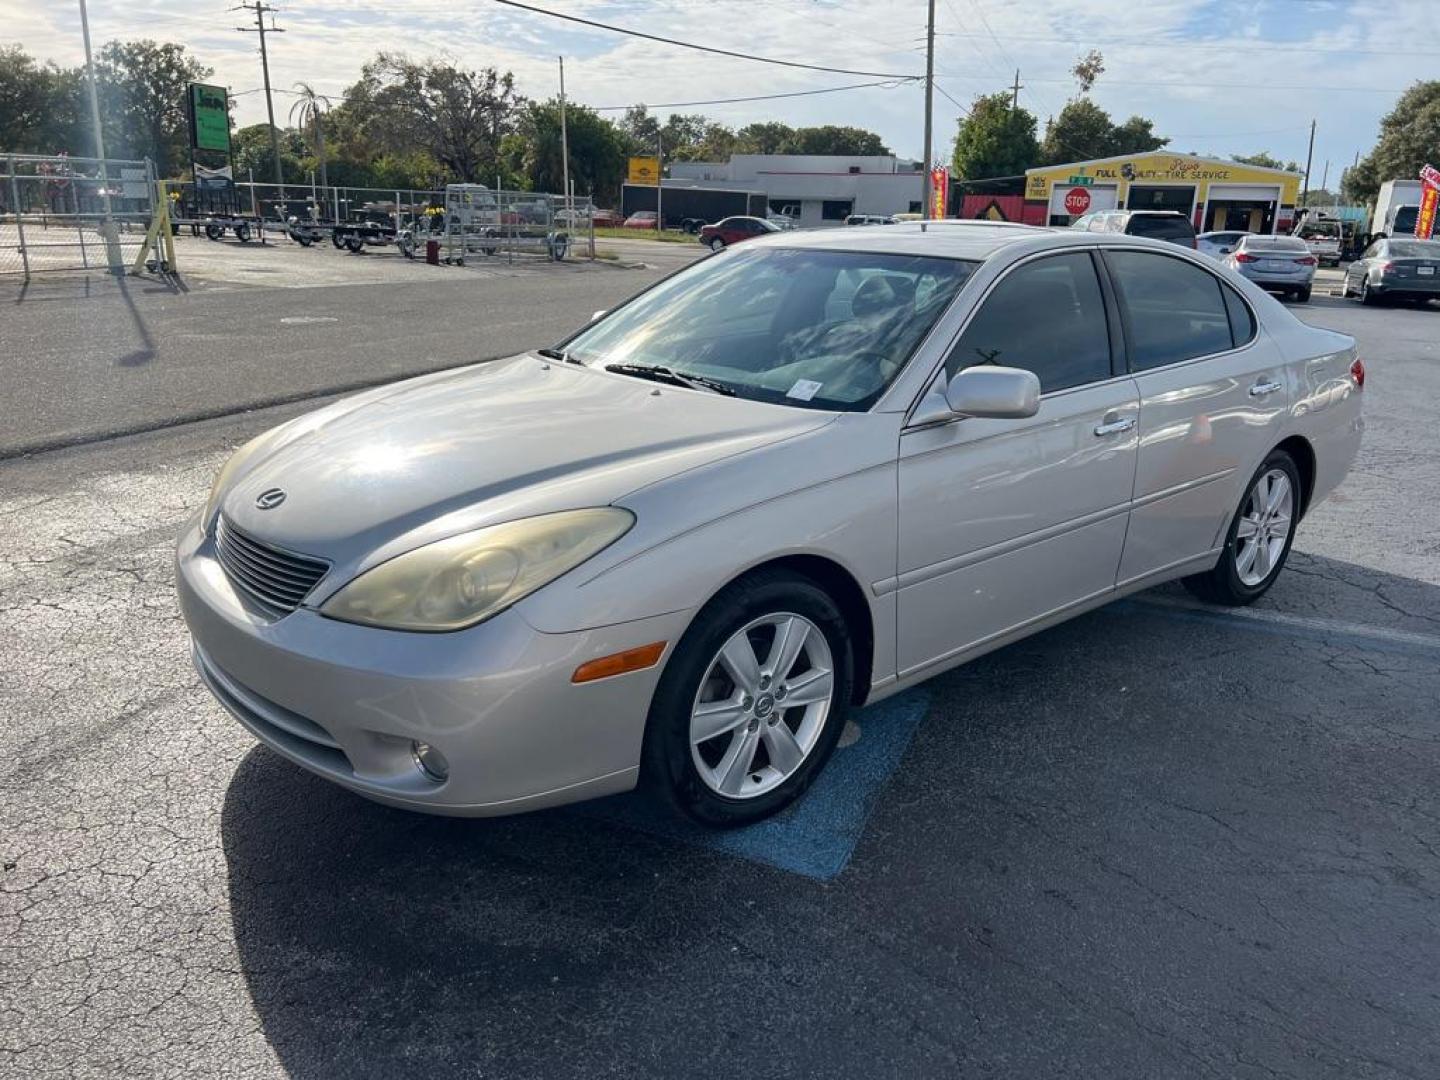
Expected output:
(1307, 260)
(1386, 267)
(1241, 257)
(1357, 372)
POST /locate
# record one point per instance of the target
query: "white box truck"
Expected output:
(1396, 208)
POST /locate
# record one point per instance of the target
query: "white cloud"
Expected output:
(1212, 73)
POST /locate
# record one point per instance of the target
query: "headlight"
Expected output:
(227, 473)
(457, 582)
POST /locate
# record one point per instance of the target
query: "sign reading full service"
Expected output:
(209, 117)
(645, 170)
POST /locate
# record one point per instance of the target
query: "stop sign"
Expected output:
(1077, 201)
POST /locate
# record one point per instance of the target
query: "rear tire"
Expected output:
(1368, 298)
(1255, 551)
(717, 244)
(765, 753)
(1303, 295)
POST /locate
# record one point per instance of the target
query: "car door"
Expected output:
(1213, 396)
(1003, 522)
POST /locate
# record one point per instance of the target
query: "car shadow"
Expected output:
(1140, 789)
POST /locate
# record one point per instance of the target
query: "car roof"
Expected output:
(954, 239)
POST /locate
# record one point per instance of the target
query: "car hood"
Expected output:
(390, 470)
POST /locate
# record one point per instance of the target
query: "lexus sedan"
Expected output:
(677, 548)
(1395, 268)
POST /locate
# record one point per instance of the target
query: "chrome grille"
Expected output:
(275, 579)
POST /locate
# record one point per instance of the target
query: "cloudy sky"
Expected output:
(1217, 76)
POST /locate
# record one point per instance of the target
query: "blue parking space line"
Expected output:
(816, 836)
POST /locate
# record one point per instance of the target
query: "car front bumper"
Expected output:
(347, 702)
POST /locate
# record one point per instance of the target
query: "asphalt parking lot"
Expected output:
(1158, 841)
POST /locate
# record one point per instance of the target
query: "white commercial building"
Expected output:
(815, 189)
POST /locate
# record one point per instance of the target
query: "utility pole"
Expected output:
(1015, 93)
(112, 248)
(659, 181)
(1309, 157)
(564, 149)
(926, 194)
(260, 8)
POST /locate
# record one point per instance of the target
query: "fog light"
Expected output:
(430, 761)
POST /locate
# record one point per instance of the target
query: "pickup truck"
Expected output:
(1323, 240)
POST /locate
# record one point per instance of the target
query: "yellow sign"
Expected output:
(645, 170)
(1161, 168)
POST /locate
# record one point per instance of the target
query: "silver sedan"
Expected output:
(1395, 268)
(794, 478)
(1282, 264)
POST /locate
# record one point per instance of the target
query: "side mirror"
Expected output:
(994, 392)
(597, 315)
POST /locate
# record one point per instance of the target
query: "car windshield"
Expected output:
(1161, 227)
(814, 329)
(1415, 249)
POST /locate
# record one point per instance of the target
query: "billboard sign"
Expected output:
(209, 117)
(645, 170)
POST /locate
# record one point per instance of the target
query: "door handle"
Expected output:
(1114, 427)
(1260, 389)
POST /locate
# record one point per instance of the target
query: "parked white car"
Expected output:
(1220, 243)
(798, 476)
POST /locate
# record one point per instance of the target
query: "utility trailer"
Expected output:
(211, 204)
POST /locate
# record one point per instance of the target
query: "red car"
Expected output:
(734, 229)
(643, 219)
(606, 217)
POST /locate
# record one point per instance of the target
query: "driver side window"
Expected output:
(1047, 316)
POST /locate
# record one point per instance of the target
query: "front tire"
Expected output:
(751, 703)
(717, 244)
(1258, 541)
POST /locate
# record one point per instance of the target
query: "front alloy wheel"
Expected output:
(762, 705)
(752, 701)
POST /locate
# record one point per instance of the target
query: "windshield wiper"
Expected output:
(557, 354)
(657, 373)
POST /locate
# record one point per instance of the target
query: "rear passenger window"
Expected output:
(1175, 310)
(1047, 317)
(1242, 322)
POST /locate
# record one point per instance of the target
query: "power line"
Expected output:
(1242, 45)
(703, 48)
(887, 83)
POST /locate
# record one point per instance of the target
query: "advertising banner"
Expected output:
(1425, 220)
(209, 117)
(939, 191)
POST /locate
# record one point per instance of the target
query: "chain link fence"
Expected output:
(468, 222)
(72, 213)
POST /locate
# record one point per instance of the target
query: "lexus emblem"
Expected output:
(269, 499)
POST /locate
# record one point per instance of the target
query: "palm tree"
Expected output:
(309, 107)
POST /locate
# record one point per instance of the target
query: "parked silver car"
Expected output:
(1281, 264)
(1395, 268)
(795, 477)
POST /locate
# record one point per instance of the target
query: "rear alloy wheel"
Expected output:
(752, 702)
(1303, 295)
(1259, 538)
(717, 244)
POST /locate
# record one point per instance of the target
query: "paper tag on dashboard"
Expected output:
(804, 389)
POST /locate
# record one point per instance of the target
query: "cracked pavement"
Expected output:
(1147, 843)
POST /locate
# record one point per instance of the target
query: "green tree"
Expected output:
(1087, 69)
(769, 137)
(39, 106)
(1409, 138)
(597, 151)
(308, 111)
(456, 115)
(1266, 161)
(142, 100)
(835, 139)
(251, 153)
(1083, 131)
(995, 140)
